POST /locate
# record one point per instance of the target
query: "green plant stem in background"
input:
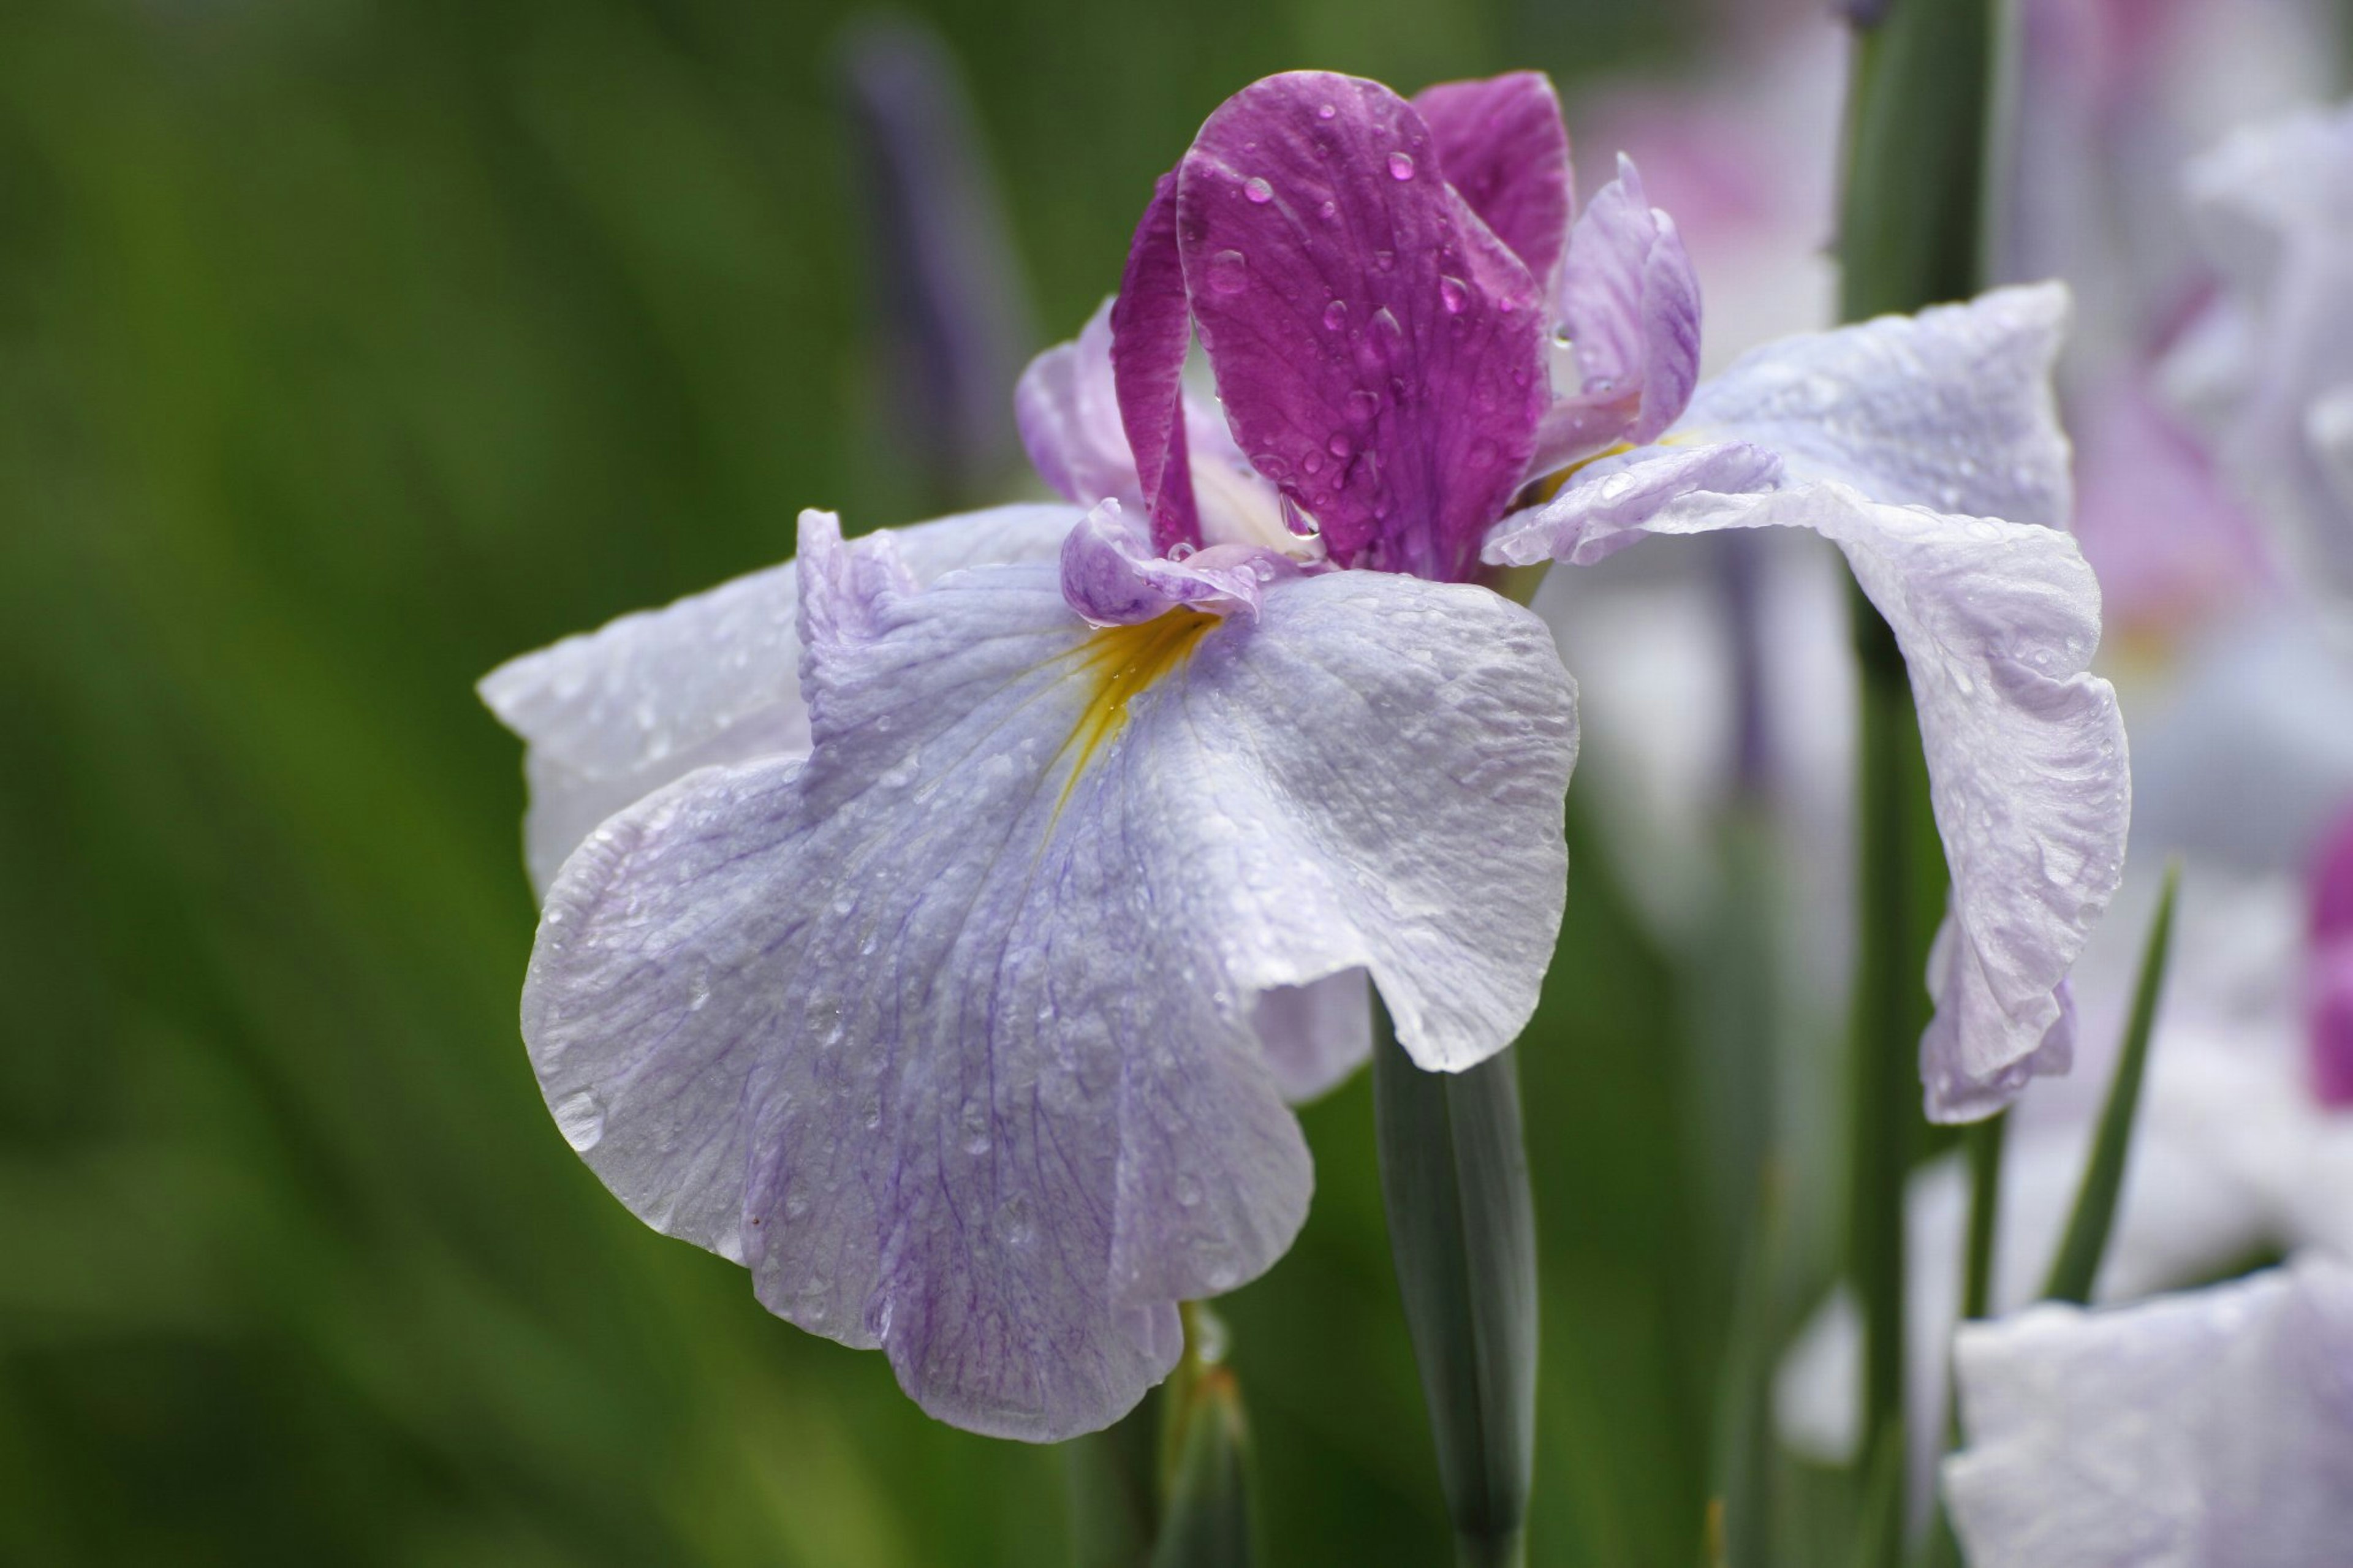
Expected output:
(1984, 1143)
(1454, 1179)
(1114, 1483)
(1912, 233)
(1204, 1456)
(2077, 1264)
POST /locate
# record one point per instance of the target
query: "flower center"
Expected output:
(1119, 662)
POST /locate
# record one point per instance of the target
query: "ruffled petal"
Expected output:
(1951, 408)
(1500, 143)
(2207, 1428)
(612, 715)
(1630, 306)
(1998, 622)
(946, 1030)
(1377, 349)
(1111, 576)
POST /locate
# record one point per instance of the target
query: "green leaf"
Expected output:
(2077, 1264)
(1454, 1178)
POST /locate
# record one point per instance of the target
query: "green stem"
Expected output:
(1454, 1179)
(1984, 1143)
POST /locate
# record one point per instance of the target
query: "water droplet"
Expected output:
(581, 1119)
(1014, 1225)
(1338, 445)
(1326, 110)
(1362, 406)
(1229, 271)
(1258, 190)
(1452, 295)
(1387, 323)
(1385, 259)
(1335, 315)
(1188, 1191)
(795, 1205)
(1401, 166)
(1329, 211)
(1313, 463)
(1181, 549)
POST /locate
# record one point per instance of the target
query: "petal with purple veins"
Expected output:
(946, 1030)
(1502, 144)
(1628, 303)
(1377, 348)
(612, 715)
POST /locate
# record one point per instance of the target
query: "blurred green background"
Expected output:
(348, 347)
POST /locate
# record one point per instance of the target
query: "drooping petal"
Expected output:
(1629, 302)
(2207, 1428)
(1998, 622)
(1152, 328)
(1111, 576)
(1068, 407)
(612, 715)
(1500, 143)
(946, 1031)
(1377, 349)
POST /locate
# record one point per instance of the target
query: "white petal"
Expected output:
(2197, 1431)
(1998, 622)
(948, 1031)
(612, 715)
(1951, 408)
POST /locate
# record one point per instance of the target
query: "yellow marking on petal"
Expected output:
(1122, 662)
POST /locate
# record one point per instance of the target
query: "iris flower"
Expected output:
(955, 981)
(2209, 1428)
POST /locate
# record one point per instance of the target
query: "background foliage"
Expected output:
(349, 346)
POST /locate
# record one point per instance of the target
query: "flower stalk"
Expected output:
(1454, 1177)
(1912, 232)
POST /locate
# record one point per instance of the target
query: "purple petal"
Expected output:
(1068, 406)
(1502, 144)
(1629, 305)
(612, 715)
(1377, 349)
(948, 1031)
(1152, 328)
(1111, 576)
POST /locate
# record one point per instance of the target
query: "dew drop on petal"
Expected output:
(1329, 211)
(1401, 166)
(1229, 271)
(1362, 406)
(581, 1119)
(1335, 315)
(1258, 190)
(1452, 295)
(1326, 111)
(1338, 445)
